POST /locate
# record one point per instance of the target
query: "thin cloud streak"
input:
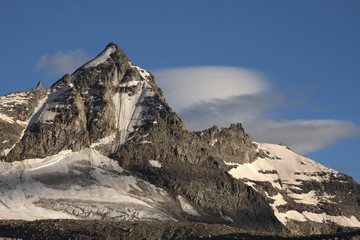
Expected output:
(61, 63)
(203, 101)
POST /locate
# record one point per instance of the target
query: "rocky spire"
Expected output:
(39, 86)
(67, 79)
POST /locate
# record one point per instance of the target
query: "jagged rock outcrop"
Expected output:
(39, 86)
(16, 110)
(107, 129)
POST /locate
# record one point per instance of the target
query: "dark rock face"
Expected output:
(115, 107)
(192, 166)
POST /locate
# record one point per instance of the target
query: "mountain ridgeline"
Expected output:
(103, 143)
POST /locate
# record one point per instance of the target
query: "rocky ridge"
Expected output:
(111, 110)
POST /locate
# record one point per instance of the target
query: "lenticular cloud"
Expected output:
(184, 87)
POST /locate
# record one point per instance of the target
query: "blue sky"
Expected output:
(289, 70)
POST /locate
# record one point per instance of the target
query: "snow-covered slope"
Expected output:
(82, 185)
(289, 175)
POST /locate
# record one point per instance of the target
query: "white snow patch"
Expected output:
(129, 111)
(145, 74)
(251, 184)
(101, 58)
(341, 220)
(282, 164)
(278, 201)
(212, 143)
(317, 217)
(155, 163)
(308, 216)
(6, 118)
(226, 218)
(12, 99)
(104, 141)
(295, 215)
(5, 152)
(186, 207)
(130, 84)
(311, 198)
(24, 124)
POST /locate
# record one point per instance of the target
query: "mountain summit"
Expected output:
(102, 143)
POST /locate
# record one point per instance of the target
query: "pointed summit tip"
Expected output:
(112, 45)
(39, 86)
(110, 49)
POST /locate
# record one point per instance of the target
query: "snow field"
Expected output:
(285, 166)
(186, 207)
(23, 184)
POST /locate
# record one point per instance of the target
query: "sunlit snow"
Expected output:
(155, 163)
(186, 207)
(286, 171)
(101, 58)
(129, 110)
(76, 185)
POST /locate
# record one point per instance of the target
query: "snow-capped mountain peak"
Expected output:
(102, 143)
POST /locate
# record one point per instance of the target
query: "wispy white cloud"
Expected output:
(60, 63)
(208, 96)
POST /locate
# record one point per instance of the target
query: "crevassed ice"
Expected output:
(25, 184)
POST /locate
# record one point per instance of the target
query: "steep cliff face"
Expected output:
(102, 143)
